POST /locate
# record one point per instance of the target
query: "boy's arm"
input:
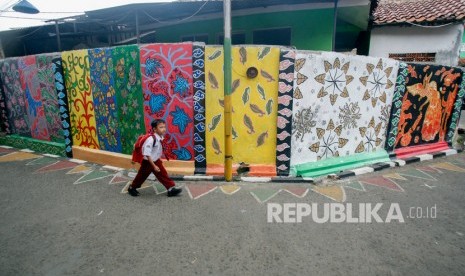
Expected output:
(155, 167)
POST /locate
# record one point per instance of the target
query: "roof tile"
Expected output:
(418, 11)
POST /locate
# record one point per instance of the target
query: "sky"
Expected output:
(53, 9)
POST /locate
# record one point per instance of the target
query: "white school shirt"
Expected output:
(154, 151)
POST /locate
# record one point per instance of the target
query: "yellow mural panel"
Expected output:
(214, 95)
(76, 71)
(254, 101)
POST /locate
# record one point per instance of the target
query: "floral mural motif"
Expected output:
(63, 103)
(286, 89)
(425, 105)
(31, 87)
(198, 67)
(106, 112)
(4, 125)
(168, 94)
(46, 79)
(81, 105)
(333, 116)
(129, 96)
(376, 82)
(334, 79)
(255, 102)
(15, 98)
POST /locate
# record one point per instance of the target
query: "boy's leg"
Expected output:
(162, 175)
(142, 174)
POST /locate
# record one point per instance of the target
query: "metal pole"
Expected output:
(137, 27)
(334, 25)
(227, 91)
(57, 31)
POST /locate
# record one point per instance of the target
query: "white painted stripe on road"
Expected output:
(255, 179)
(363, 170)
(198, 177)
(113, 168)
(79, 161)
(424, 157)
(50, 155)
(27, 150)
(450, 152)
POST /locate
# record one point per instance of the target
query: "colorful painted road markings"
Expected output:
(230, 189)
(335, 192)
(198, 190)
(42, 161)
(429, 169)
(417, 174)
(80, 169)
(93, 175)
(382, 182)
(264, 194)
(355, 185)
(18, 156)
(394, 176)
(119, 178)
(159, 188)
(145, 185)
(57, 166)
(448, 166)
(297, 191)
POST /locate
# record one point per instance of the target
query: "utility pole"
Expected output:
(227, 91)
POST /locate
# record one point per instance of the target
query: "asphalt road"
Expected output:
(50, 226)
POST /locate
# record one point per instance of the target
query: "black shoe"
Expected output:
(133, 191)
(174, 192)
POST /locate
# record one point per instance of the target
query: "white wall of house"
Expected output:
(444, 41)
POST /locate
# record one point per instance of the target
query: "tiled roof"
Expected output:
(418, 11)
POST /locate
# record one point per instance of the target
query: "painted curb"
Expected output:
(395, 162)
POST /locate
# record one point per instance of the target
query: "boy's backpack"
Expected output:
(137, 155)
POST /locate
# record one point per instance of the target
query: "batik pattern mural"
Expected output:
(286, 94)
(341, 105)
(14, 98)
(457, 110)
(168, 94)
(104, 95)
(4, 125)
(57, 67)
(81, 105)
(129, 95)
(198, 74)
(46, 79)
(34, 106)
(426, 103)
(254, 102)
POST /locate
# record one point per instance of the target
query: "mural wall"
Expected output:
(51, 108)
(126, 66)
(423, 106)
(81, 104)
(168, 94)
(63, 104)
(254, 102)
(294, 112)
(341, 105)
(14, 98)
(104, 95)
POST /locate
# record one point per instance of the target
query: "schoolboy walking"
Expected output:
(152, 150)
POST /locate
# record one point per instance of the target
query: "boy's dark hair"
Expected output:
(156, 122)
